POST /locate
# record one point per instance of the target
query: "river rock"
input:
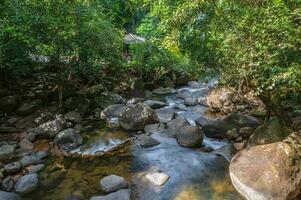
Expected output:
(35, 168)
(136, 117)
(185, 94)
(165, 114)
(26, 184)
(148, 141)
(245, 132)
(218, 128)
(27, 108)
(232, 134)
(7, 184)
(270, 171)
(134, 101)
(190, 136)
(33, 159)
(174, 125)
(7, 152)
(73, 117)
(163, 91)
(190, 102)
(12, 168)
(113, 111)
(51, 128)
(68, 139)
(9, 196)
(227, 152)
(26, 144)
(271, 132)
(123, 194)
(9, 104)
(154, 128)
(113, 183)
(157, 178)
(155, 104)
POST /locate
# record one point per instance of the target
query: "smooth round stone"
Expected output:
(124, 194)
(12, 168)
(113, 183)
(27, 184)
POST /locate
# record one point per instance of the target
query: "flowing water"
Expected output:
(194, 174)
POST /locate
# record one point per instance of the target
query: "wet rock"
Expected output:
(26, 144)
(157, 178)
(123, 194)
(136, 117)
(113, 111)
(270, 171)
(184, 94)
(155, 104)
(7, 152)
(27, 108)
(218, 128)
(165, 114)
(9, 196)
(73, 117)
(245, 132)
(33, 159)
(7, 184)
(271, 132)
(51, 128)
(35, 168)
(148, 141)
(12, 168)
(134, 101)
(232, 134)
(227, 152)
(68, 139)
(190, 136)
(26, 184)
(162, 91)
(9, 104)
(8, 129)
(190, 102)
(113, 183)
(174, 125)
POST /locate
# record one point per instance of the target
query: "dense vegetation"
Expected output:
(250, 45)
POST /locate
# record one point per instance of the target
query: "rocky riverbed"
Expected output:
(166, 145)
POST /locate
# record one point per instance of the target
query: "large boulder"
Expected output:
(68, 139)
(190, 136)
(9, 104)
(9, 196)
(271, 171)
(124, 194)
(174, 125)
(270, 132)
(113, 183)
(113, 111)
(165, 114)
(218, 128)
(51, 128)
(26, 184)
(73, 117)
(136, 117)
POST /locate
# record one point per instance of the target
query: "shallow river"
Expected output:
(194, 174)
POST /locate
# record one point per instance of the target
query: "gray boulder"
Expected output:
(26, 184)
(68, 139)
(9, 196)
(154, 128)
(51, 128)
(165, 114)
(148, 141)
(7, 152)
(174, 125)
(218, 128)
(33, 159)
(123, 194)
(35, 168)
(73, 117)
(113, 111)
(162, 91)
(190, 102)
(113, 183)
(26, 144)
(12, 168)
(190, 136)
(136, 117)
(155, 104)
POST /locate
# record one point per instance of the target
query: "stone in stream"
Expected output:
(148, 141)
(73, 117)
(163, 91)
(155, 104)
(113, 111)
(51, 128)
(136, 117)
(68, 139)
(270, 171)
(7, 152)
(12, 168)
(174, 125)
(154, 128)
(165, 114)
(190, 101)
(26, 184)
(113, 183)
(218, 128)
(7, 184)
(124, 194)
(33, 159)
(9, 196)
(34, 168)
(25, 144)
(190, 136)
(157, 178)
(226, 152)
